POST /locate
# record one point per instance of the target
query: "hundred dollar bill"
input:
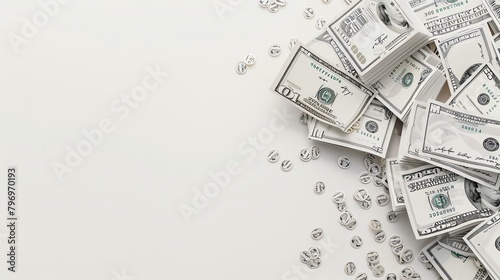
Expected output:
(455, 242)
(480, 94)
(400, 87)
(460, 137)
(484, 240)
(441, 17)
(452, 265)
(395, 181)
(373, 136)
(370, 32)
(412, 143)
(440, 201)
(321, 90)
(463, 52)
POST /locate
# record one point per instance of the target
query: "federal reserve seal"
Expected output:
(491, 144)
(326, 95)
(371, 126)
(497, 243)
(440, 201)
(407, 80)
(483, 99)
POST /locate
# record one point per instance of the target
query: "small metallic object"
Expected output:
(305, 154)
(428, 266)
(314, 263)
(274, 50)
(356, 242)
(391, 276)
(395, 240)
(273, 8)
(372, 257)
(342, 206)
(319, 188)
(398, 249)
(361, 276)
(374, 169)
(352, 224)
(407, 255)
(379, 236)
(378, 270)
(241, 68)
(320, 23)
(350, 268)
(368, 160)
(281, 2)
(375, 225)
(304, 118)
(344, 162)
(406, 272)
(273, 156)
(264, 3)
(292, 43)
(382, 200)
(345, 217)
(392, 216)
(250, 59)
(422, 257)
(366, 204)
(338, 197)
(361, 194)
(305, 256)
(317, 234)
(315, 152)
(286, 165)
(315, 252)
(364, 177)
(308, 13)
(378, 182)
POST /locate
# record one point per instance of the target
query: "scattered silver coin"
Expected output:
(361, 276)
(305, 256)
(352, 224)
(374, 169)
(368, 160)
(264, 3)
(422, 257)
(372, 257)
(281, 2)
(314, 263)
(315, 152)
(273, 156)
(395, 240)
(241, 68)
(286, 165)
(342, 206)
(308, 13)
(365, 205)
(319, 188)
(344, 162)
(250, 59)
(361, 194)
(379, 236)
(375, 225)
(317, 234)
(273, 7)
(292, 43)
(392, 216)
(378, 270)
(304, 118)
(406, 272)
(338, 197)
(305, 154)
(407, 255)
(345, 217)
(315, 252)
(391, 276)
(274, 50)
(382, 199)
(365, 177)
(350, 268)
(320, 22)
(398, 249)
(378, 182)
(356, 242)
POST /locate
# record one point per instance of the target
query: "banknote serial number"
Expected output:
(471, 129)
(442, 212)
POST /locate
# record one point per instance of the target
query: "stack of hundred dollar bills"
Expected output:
(382, 64)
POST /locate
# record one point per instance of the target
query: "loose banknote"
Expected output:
(440, 201)
(480, 94)
(464, 51)
(411, 145)
(371, 31)
(451, 265)
(373, 136)
(395, 181)
(460, 137)
(403, 84)
(444, 16)
(321, 90)
(484, 240)
(455, 242)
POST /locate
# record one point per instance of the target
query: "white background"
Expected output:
(116, 215)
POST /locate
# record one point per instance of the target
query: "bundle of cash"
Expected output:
(376, 35)
(484, 241)
(395, 169)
